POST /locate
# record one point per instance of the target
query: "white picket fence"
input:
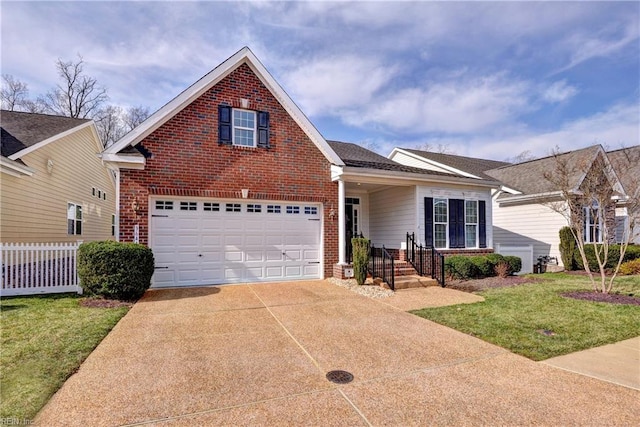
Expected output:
(39, 268)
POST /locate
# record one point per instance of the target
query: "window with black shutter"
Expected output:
(245, 128)
(456, 223)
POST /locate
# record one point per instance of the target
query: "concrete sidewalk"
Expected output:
(259, 355)
(617, 363)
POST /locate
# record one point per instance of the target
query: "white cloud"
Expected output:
(456, 106)
(608, 41)
(330, 85)
(615, 127)
(558, 92)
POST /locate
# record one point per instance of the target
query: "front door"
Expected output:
(352, 223)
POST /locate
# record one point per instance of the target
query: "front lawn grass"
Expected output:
(44, 339)
(535, 321)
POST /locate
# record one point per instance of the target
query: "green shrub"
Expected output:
(360, 258)
(515, 263)
(484, 266)
(495, 259)
(115, 270)
(630, 267)
(568, 249)
(632, 252)
(460, 267)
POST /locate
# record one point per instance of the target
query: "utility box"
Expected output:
(348, 272)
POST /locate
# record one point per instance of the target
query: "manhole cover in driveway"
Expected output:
(340, 377)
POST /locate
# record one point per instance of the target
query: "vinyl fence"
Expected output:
(39, 268)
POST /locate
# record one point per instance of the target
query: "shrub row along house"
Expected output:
(230, 182)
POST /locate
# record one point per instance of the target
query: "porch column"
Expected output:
(341, 224)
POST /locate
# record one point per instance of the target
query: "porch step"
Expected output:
(404, 268)
(414, 281)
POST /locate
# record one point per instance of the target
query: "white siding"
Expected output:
(453, 192)
(531, 224)
(364, 211)
(392, 215)
(412, 161)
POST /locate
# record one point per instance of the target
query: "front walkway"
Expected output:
(258, 355)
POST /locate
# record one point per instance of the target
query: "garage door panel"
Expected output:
(274, 255)
(207, 247)
(292, 271)
(311, 269)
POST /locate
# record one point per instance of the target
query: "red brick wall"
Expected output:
(187, 160)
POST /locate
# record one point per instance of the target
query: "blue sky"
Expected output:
(484, 79)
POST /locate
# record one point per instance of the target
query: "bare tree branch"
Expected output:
(13, 93)
(78, 95)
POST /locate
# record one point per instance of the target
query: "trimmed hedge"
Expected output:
(460, 267)
(515, 263)
(474, 267)
(115, 270)
(632, 252)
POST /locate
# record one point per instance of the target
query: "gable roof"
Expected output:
(460, 165)
(357, 156)
(243, 56)
(25, 132)
(528, 177)
(626, 163)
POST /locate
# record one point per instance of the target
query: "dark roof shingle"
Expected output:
(528, 177)
(470, 165)
(21, 130)
(356, 156)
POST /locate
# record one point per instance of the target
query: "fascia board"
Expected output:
(243, 56)
(533, 198)
(47, 141)
(432, 162)
(378, 176)
(124, 161)
(13, 168)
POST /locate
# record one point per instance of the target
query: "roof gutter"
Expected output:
(380, 176)
(13, 168)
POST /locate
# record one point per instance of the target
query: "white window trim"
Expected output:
(477, 223)
(446, 223)
(234, 127)
(587, 223)
(75, 219)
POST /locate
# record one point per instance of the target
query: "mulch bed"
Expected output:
(92, 302)
(600, 297)
(497, 282)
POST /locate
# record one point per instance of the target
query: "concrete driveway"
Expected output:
(258, 355)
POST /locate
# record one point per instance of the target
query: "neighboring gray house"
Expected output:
(523, 223)
(626, 162)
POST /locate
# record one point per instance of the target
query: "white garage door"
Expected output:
(205, 242)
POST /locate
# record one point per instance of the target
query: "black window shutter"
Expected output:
(428, 221)
(263, 129)
(456, 223)
(482, 223)
(224, 124)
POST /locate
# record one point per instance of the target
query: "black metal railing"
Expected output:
(426, 261)
(381, 265)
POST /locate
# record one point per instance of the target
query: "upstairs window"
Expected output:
(243, 128)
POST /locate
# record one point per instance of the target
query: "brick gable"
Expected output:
(186, 159)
